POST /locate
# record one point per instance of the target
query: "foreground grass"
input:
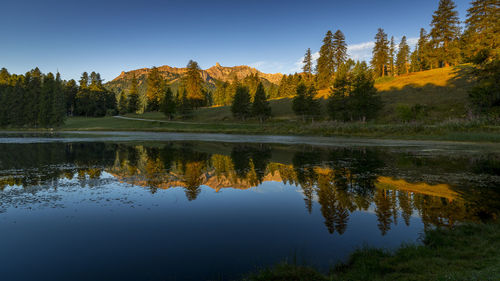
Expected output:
(459, 130)
(467, 252)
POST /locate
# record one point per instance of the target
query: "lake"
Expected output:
(161, 206)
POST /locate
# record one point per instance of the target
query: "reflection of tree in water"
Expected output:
(404, 199)
(250, 162)
(45, 163)
(193, 179)
(440, 211)
(192, 165)
(383, 210)
(303, 163)
(342, 180)
(334, 211)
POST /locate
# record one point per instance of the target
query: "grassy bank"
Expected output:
(467, 252)
(450, 130)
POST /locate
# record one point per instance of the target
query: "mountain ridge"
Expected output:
(216, 72)
(173, 76)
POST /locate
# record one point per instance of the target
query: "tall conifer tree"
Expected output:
(392, 51)
(403, 57)
(339, 49)
(168, 104)
(154, 89)
(133, 96)
(380, 54)
(325, 65)
(483, 27)
(241, 103)
(445, 32)
(308, 65)
(122, 103)
(300, 102)
(422, 50)
(260, 105)
(193, 84)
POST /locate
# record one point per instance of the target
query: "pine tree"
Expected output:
(70, 92)
(365, 102)
(94, 99)
(241, 103)
(231, 89)
(414, 63)
(33, 88)
(392, 50)
(483, 27)
(122, 103)
(339, 49)
(154, 89)
(313, 104)
(260, 105)
(380, 54)
(45, 105)
(422, 50)
(300, 102)
(485, 95)
(4, 76)
(184, 107)
(338, 102)
(403, 57)
(325, 64)
(168, 104)
(445, 32)
(133, 96)
(193, 84)
(251, 81)
(84, 80)
(58, 103)
(15, 108)
(308, 66)
(220, 93)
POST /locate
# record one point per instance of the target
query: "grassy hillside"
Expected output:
(443, 93)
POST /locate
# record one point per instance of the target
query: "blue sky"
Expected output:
(112, 36)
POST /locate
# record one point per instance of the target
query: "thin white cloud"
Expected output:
(361, 51)
(257, 64)
(268, 66)
(412, 42)
(361, 46)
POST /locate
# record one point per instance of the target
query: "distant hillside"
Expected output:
(173, 76)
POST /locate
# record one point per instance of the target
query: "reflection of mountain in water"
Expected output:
(341, 181)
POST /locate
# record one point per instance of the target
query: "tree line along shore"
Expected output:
(37, 100)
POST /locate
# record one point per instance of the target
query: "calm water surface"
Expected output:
(157, 207)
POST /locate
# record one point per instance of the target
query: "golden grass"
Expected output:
(440, 190)
(438, 77)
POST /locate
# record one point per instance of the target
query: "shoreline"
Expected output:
(319, 141)
(370, 132)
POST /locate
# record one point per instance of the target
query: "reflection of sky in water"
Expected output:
(117, 226)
